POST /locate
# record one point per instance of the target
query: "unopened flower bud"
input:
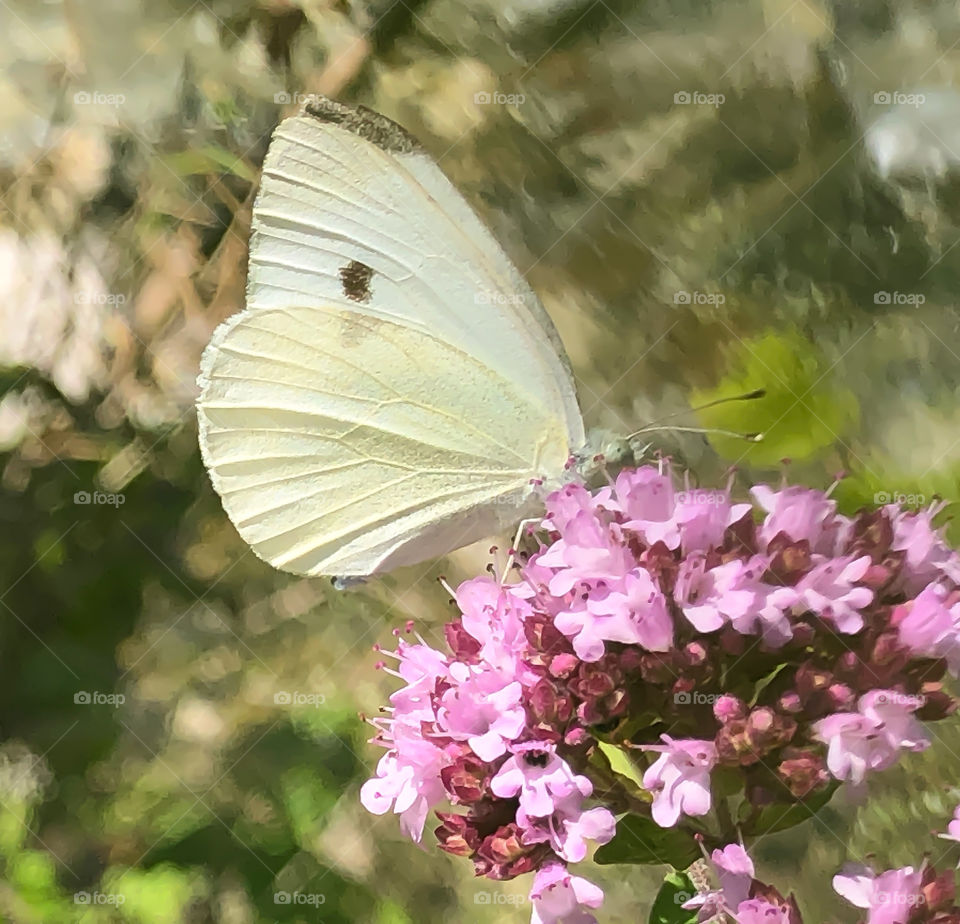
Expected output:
(728, 707)
(466, 779)
(803, 772)
(695, 654)
(840, 697)
(456, 835)
(790, 702)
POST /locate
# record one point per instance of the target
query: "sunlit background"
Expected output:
(710, 197)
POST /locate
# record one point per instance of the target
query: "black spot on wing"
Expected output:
(355, 278)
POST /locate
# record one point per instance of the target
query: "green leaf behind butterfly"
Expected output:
(803, 412)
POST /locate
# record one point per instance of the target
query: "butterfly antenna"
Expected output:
(654, 424)
(714, 431)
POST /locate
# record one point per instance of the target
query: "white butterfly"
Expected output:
(393, 386)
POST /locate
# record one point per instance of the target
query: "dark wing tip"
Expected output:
(366, 123)
(347, 583)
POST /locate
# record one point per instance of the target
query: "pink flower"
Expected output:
(702, 518)
(565, 504)
(590, 551)
(953, 829)
(420, 666)
(829, 591)
(680, 778)
(890, 897)
(928, 557)
(711, 598)
(408, 775)
(484, 709)
(892, 714)
(408, 779)
(768, 613)
(494, 615)
(929, 628)
(871, 738)
(539, 776)
(735, 871)
(645, 497)
(569, 828)
(633, 612)
(559, 898)
(854, 746)
(800, 513)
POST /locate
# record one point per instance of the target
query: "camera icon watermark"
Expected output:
(99, 298)
(296, 698)
(899, 298)
(498, 298)
(98, 498)
(96, 698)
(694, 698)
(283, 98)
(698, 298)
(696, 98)
(906, 700)
(99, 898)
(499, 898)
(299, 898)
(96, 98)
(702, 497)
(485, 98)
(898, 98)
(903, 498)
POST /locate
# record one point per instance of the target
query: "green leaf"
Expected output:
(803, 412)
(676, 889)
(621, 764)
(641, 840)
(764, 682)
(780, 815)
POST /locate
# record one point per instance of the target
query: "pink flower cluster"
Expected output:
(780, 639)
(740, 896)
(895, 896)
(899, 896)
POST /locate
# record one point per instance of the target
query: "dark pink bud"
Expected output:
(791, 560)
(729, 707)
(887, 649)
(811, 680)
(733, 748)
(790, 702)
(695, 654)
(576, 737)
(803, 772)
(456, 835)
(938, 890)
(563, 665)
(466, 779)
(840, 697)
